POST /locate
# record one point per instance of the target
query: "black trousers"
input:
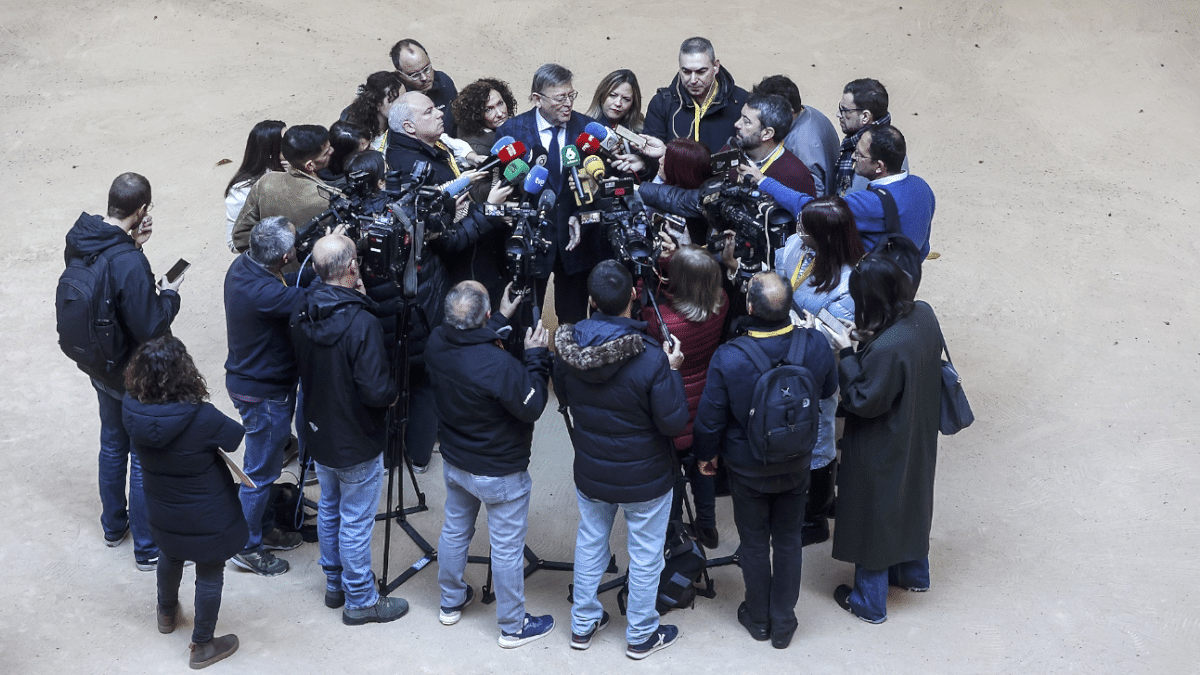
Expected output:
(769, 524)
(210, 579)
(570, 294)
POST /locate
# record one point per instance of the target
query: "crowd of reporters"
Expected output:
(716, 216)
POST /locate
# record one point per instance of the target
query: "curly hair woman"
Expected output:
(374, 101)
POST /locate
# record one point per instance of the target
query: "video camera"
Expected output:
(526, 244)
(760, 226)
(626, 225)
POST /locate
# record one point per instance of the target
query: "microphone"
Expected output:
(536, 156)
(594, 167)
(502, 154)
(536, 181)
(607, 139)
(545, 204)
(456, 187)
(571, 162)
(515, 170)
(590, 145)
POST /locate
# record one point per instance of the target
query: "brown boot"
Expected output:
(207, 653)
(167, 619)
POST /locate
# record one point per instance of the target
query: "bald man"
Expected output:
(345, 375)
(768, 499)
(487, 402)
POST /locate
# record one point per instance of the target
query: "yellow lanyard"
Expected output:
(770, 333)
(703, 107)
(771, 158)
(799, 276)
(453, 164)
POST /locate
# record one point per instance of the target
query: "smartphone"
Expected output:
(830, 320)
(628, 135)
(177, 269)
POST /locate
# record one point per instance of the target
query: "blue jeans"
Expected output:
(869, 597)
(210, 579)
(345, 520)
(647, 525)
(116, 460)
(268, 425)
(507, 499)
(769, 524)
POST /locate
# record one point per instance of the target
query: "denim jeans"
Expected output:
(869, 597)
(345, 521)
(826, 448)
(647, 525)
(268, 425)
(507, 499)
(116, 460)
(769, 524)
(210, 578)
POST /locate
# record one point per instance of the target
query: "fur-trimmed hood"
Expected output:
(598, 347)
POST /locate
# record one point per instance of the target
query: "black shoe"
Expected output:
(278, 540)
(335, 599)
(116, 539)
(387, 609)
(782, 639)
(584, 640)
(205, 654)
(262, 563)
(743, 616)
(448, 616)
(708, 537)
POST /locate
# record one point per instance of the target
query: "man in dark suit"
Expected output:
(552, 124)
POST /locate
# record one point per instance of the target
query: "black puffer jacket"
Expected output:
(487, 399)
(142, 311)
(344, 375)
(191, 500)
(672, 112)
(626, 405)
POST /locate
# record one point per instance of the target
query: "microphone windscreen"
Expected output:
(536, 180)
(500, 143)
(589, 144)
(546, 200)
(515, 170)
(598, 130)
(594, 167)
(570, 156)
(457, 186)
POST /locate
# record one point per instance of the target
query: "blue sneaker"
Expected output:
(533, 628)
(664, 637)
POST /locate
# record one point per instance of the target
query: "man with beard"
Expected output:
(702, 103)
(864, 105)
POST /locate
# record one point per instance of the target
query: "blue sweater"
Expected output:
(914, 200)
(258, 304)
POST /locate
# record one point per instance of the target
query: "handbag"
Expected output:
(956, 411)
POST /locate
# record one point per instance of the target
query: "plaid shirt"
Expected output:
(845, 165)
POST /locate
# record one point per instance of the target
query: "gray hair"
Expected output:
(401, 112)
(698, 45)
(550, 75)
(774, 112)
(271, 239)
(466, 306)
(330, 259)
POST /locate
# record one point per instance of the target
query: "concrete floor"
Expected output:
(1062, 145)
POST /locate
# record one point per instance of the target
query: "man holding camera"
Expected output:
(260, 377)
(626, 402)
(768, 497)
(141, 313)
(487, 402)
(347, 387)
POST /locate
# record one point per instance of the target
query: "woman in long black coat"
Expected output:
(891, 391)
(191, 500)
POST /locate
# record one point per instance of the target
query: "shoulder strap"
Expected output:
(796, 351)
(891, 214)
(756, 354)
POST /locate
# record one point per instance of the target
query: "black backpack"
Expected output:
(684, 563)
(86, 313)
(785, 408)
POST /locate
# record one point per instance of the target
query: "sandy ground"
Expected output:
(1060, 140)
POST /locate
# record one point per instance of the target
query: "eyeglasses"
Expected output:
(149, 207)
(856, 155)
(842, 112)
(420, 74)
(561, 99)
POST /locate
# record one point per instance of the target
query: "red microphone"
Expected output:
(590, 145)
(504, 155)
